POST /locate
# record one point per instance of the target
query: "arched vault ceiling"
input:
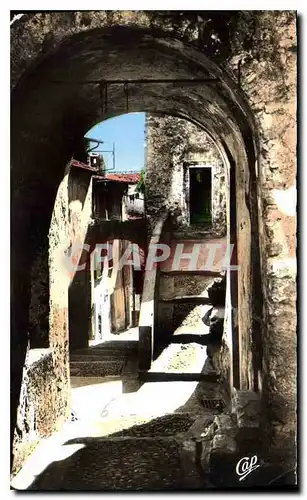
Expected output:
(55, 99)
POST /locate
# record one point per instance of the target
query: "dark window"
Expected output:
(200, 195)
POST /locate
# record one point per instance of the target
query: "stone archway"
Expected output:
(57, 98)
(53, 107)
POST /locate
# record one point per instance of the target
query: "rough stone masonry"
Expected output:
(248, 59)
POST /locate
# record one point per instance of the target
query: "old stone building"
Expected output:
(178, 152)
(231, 74)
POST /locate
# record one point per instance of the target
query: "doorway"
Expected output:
(200, 195)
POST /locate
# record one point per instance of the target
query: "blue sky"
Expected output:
(128, 133)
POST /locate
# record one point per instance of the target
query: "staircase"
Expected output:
(107, 359)
(180, 291)
(174, 303)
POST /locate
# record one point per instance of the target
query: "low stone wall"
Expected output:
(40, 410)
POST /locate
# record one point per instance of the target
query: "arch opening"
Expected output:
(54, 105)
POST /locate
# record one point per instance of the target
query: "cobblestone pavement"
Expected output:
(117, 464)
(124, 441)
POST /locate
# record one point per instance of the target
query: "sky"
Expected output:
(128, 133)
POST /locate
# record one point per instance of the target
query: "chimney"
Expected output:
(95, 160)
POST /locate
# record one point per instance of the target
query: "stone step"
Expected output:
(98, 356)
(193, 272)
(81, 381)
(96, 368)
(169, 376)
(189, 315)
(128, 438)
(204, 233)
(186, 299)
(105, 351)
(113, 345)
(199, 329)
(140, 426)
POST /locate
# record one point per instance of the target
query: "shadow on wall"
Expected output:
(39, 300)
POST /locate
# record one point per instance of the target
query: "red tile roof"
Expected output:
(80, 164)
(129, 178)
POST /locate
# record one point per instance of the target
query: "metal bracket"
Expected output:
(103, 92)
(127, 96)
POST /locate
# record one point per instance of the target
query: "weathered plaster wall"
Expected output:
(172, 144)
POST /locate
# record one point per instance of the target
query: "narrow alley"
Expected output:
(153, 250)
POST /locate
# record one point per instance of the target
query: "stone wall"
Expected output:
(34, 419)
(268, 77)
(39, 305)
(68, 230)
(171, 145)
(261, 56)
